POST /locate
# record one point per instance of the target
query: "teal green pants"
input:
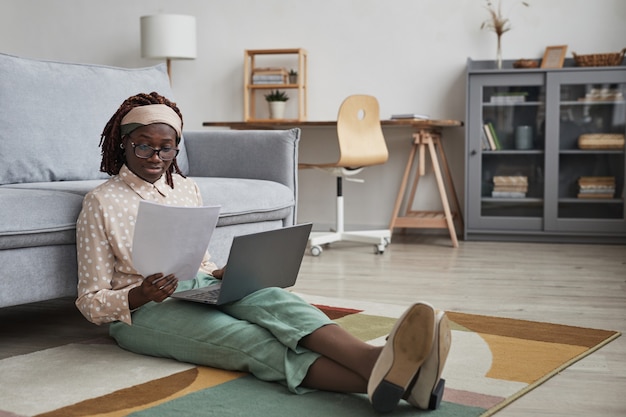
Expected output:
(258, 334)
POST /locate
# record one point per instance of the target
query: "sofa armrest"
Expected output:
(256, 154)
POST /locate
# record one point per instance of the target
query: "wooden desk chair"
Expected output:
(361, 144)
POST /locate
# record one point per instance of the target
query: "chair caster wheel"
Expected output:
(316, 250)
(379, 249)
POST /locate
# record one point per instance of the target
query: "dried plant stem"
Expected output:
(499, 54)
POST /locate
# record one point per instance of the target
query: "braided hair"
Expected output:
(111, 139)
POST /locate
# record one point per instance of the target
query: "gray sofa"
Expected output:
(51, 118)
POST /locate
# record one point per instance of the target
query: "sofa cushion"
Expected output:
(75, 187)
(242, 200)
(37, 217)
(52, 115)
(45, 213)
(246, 200)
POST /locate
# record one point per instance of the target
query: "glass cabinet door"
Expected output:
(545, 152)
(510, 169)
(590, 132)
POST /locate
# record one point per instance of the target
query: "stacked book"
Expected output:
(270, 76)
(603, 94)
(596, 187)
(514, 97)
(410, 116)
(515, 186)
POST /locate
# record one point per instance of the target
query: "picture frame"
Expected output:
(554, 56)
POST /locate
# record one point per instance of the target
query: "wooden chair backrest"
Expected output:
(361, 140)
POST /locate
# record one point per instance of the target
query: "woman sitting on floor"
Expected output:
(272, 333)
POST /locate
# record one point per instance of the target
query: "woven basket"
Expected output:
(599, 60)
(601, 141)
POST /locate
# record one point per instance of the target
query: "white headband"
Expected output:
(150, 114)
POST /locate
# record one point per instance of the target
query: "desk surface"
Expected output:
(281, 124)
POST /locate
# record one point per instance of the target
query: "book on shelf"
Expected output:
(484, 142)
(488, 134)
(510, 186)
(596, 181)
(592, 191)
(269, 76)
(269, 81)
(604, 195)
(515, 97)
(508, 194)
(495, 136)
(492, 136)
(603, 94)
(409, 116)
(596, 187)
(269, 71)
(510, 180)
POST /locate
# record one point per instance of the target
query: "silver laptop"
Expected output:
(256, 261)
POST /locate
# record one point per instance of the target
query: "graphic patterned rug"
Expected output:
(493, 361)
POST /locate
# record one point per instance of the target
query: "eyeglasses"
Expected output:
(146, 151)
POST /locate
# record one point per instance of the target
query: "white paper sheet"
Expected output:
(171, 239)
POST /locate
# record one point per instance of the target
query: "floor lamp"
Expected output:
(168, 36)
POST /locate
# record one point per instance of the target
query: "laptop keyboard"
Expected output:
(209, 295)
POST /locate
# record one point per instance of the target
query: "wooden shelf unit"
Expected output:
(250, 89)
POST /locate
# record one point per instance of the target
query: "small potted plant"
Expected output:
(277, 101)
(293, 76)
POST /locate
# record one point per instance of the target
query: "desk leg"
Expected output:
(423, 140)
(442, 189)
(403, 184)
(417, 138)
(447, 175)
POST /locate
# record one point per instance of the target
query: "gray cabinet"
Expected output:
(545, 153)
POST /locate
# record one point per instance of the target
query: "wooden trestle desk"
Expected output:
(426, 141)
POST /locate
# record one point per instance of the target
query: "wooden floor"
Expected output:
(581, 285)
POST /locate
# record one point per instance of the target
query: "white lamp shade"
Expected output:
(168, 36)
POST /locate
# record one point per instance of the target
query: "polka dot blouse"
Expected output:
(104, 237)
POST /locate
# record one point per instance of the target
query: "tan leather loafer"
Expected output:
(408, 345)
(427, 388)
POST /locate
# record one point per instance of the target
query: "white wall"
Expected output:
(410, 54)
